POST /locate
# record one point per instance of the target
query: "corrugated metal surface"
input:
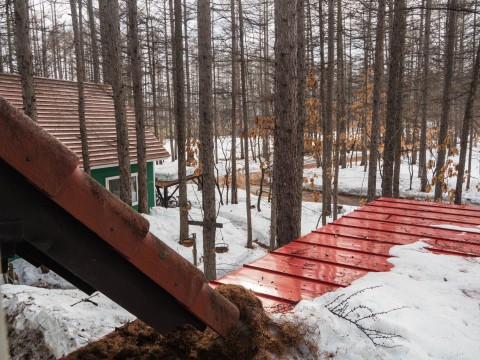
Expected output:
(345, 250)
(52, 170)
(58, 114)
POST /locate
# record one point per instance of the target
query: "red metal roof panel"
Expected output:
(343, 251)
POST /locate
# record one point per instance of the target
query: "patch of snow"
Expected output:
(169, 171)
(462, 229)
(67, 322)
(437, 302)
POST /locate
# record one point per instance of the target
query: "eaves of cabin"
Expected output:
(57, 112)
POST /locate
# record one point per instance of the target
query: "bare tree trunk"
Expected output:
(94, 46)
(44, 45)
(24, 58)
(327, 122)
(467, 119)
(9, 35)
(188, 113)
(179, 91)
(285, 154)
(80, 83)
(340, 143)
(447, 93)
(205, 134)
(114, 49)
(106, 71)
(422, 166)
(322, 86)
(243, 75)
(136, 66)
(173, 148)
(394, 97)
(301, 82)
(234, 104)
(377, 85)
(153, 70)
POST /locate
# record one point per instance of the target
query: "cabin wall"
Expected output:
(101, 174)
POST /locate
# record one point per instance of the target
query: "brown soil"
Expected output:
(257, 336)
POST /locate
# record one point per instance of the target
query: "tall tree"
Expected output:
(93, 42)
(328, 120)
(394, 97)
(243, 76)
(233, 113)
(467, 119)
(77, 38)
(136, 66)
(377, 85)
(113, 44)
(422, 166)
(153, 69)
(285, 132)
(25, 58)
(188, 113)
(446, 98)
(301, 78)
(179, 93)
(9, 34)
(341, 123)
(206, 135)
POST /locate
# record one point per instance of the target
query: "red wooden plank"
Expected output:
(348, 242)
(412, 208)
(345, 257)
(419, 231)
(418, 221)
(280, 286)
(308, 268)
(382, 236)
(429, 204)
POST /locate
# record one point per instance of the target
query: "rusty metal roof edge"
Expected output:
(107, 216)
(25, 145)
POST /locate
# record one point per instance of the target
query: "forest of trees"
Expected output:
(393, 81)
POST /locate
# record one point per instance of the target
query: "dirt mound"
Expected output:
(257, 336)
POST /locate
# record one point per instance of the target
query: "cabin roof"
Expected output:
(57, 112)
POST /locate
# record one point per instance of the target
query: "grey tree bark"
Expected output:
(93, 39)
(447, 93)
(243, 76)
(25, 58)
(328, 120)
(136, 70)
(301, 78)
(206, 135)
(285, 132)
(233, 113)
(179, 93)
(394, 97)
(422, 157)
(341, 123)
(377, 85)
(112, 42)
(80, 83)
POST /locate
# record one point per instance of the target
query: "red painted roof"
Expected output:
(57, 112)
(53, 169)
(350, 247)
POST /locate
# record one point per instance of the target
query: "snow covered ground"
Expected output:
(437, 296)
